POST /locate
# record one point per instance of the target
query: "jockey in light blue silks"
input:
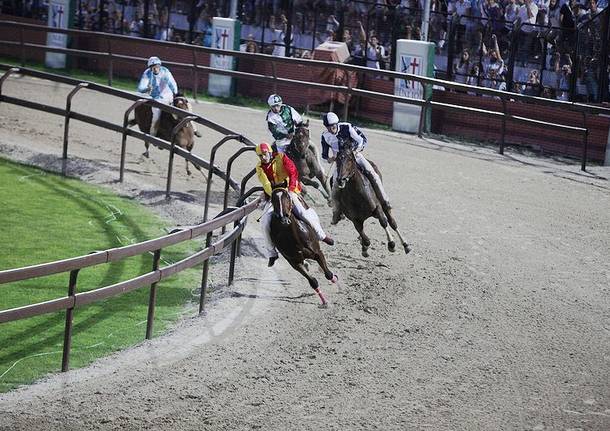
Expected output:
(158, 82)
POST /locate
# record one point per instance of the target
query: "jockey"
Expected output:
(159, 83)
(335, 135)
(273, 169)
(282, 120)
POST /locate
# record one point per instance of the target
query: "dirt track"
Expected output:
(498, 319)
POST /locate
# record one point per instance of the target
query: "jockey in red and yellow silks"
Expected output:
(274, 169)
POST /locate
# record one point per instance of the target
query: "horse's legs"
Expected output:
(383, 221)
(394, 226)
(327, 272)
(188, 172)
(364, 240)
(312, 281)
(145, 153)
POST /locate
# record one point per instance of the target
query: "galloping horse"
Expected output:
(307, 159)
(296, 240)
(358, 200)
(185, 137)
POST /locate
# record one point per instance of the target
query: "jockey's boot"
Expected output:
(382, 197)
(271, 261)
(328, 240)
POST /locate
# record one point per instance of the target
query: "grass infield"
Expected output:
(46, 217)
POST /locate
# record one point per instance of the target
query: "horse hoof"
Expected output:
(334, 279)
(188, 173)
(407, 249)
(365, 253)
(146, 154)
(324, 305)
(391, 246)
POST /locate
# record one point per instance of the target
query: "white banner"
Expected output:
(59, 15)
(224, 36)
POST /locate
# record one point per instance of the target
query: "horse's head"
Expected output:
(301, 138)
(282, 204)
(180, 102)
(346, 164)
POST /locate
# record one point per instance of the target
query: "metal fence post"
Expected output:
(274, 71)
(65, 360)
(511, 62)
(124, 138)
(22, 44)
(110, 62)
(583, 165)
(204, 276)
(233, 257)
(153, 297)
(195, 75)
(64, 155)
(503, 135)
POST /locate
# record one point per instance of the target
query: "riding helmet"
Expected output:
(329, 119)
(263, 147)
(152, 61)
(274, 99)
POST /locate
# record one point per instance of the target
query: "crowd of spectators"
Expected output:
(476, 40)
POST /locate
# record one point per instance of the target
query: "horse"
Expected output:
(358, 201)
(307, 159)
(296, 240)
(185, 137)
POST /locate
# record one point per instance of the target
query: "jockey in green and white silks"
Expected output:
(158, 82)
(282, 121)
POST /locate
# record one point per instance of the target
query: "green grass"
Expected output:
(46, 217)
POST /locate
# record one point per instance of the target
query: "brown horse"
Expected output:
(307, 159)
(185, 137)
(358, 200)
(296, 240)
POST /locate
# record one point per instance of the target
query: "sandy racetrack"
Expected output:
(498, 319)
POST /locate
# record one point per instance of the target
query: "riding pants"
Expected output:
(281, 144)
(156, 114)
(307, 215)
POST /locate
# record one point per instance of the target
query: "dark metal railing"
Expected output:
(74, 299)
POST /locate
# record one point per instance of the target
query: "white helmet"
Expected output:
(329, 119)
(154, 61)
(274, 99)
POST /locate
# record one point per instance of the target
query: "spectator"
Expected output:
(532, 86)
(527, 16)
(374, 51)
(493, 64)
(589, 78)
(563, 82)
(462, 67)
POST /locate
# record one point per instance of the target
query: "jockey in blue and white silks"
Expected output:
(158, 82)
(337, 134)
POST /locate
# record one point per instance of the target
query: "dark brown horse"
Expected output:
(358, 200)
(185, 137)
(296, 240)
(307, 159)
